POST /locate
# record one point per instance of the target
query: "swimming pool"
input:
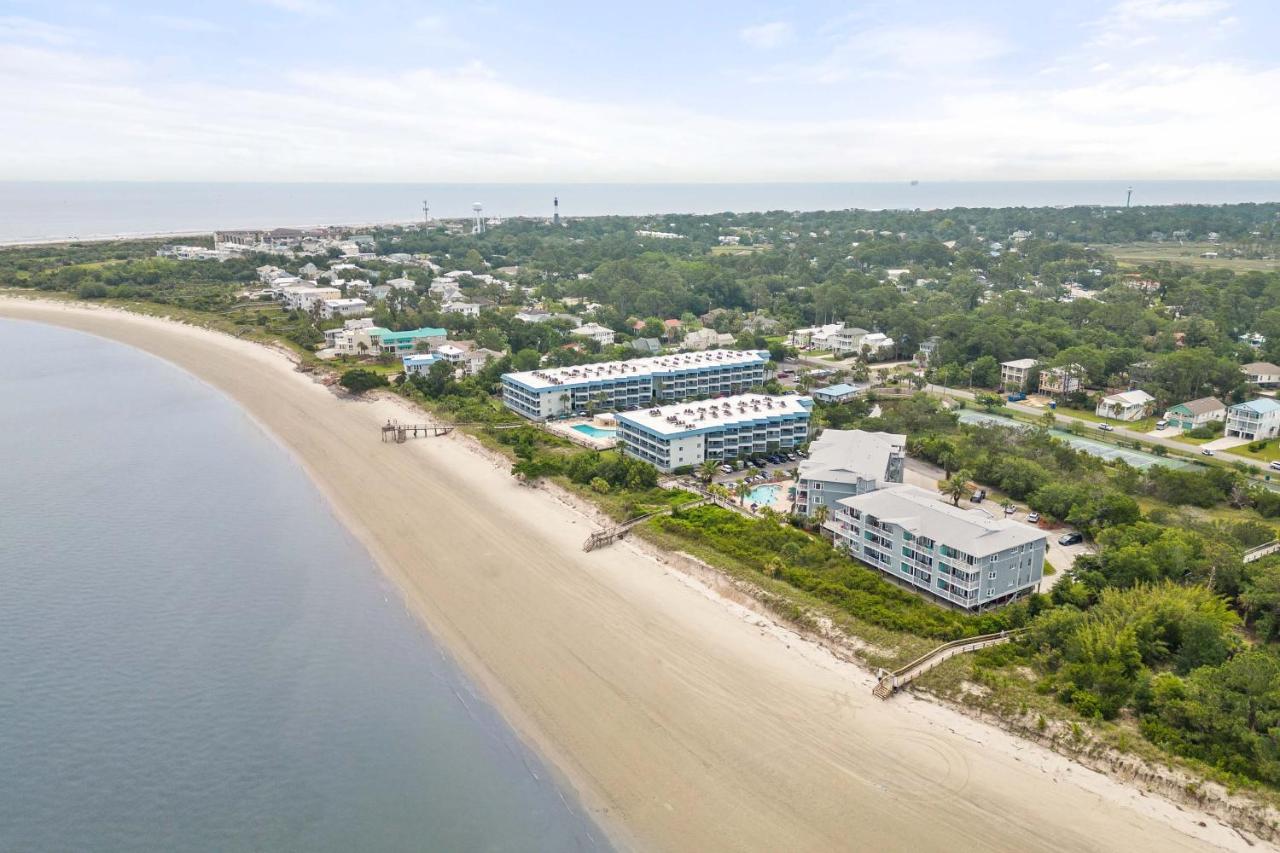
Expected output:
(764, 495)
(595, 431)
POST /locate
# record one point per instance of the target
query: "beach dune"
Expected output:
(682, 721)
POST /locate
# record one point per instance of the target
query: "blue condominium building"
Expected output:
(621, 385)
(683, 434)
(962, 557)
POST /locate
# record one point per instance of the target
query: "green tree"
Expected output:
(956, 487)
(359, 380)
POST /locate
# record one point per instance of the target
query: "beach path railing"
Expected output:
(609, 535)
(400, 433)
(1261, 551)
(891, 682)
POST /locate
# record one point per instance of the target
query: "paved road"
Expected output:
(1091, 428)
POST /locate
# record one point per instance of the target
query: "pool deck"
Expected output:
(566, 428)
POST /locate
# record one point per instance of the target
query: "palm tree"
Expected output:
(742, 489)
(956, 487)
(707, 470)
(820, 514)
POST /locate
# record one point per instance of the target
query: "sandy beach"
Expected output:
(684, 722)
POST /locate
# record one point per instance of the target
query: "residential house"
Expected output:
(1196, 413)
(844, 463)
(647, 346)
(402, 283)
(379, 340)
(602, 335)
(331, 308)
(1014, 374)
(958, 556)
(1125, 406)
(1255, 420)
(928, 347)
(1261, 373)
(1061, 380)
(419, 362)
(341, 339)
(701, 339)
(466, 309)
(841, 393)
(1254, 340)
(303, 298)
(532, 316)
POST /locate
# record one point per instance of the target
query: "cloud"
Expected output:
(70, 113)
(1133, 22)
(768, 36)
(185, 24)
(18, 29)
(301, 7)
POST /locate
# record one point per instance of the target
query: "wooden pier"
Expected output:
(394, 431)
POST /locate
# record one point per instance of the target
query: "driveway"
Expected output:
(1167, 432)
(1224, 443)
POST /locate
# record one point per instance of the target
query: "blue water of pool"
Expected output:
(595, 431)
(764, 495)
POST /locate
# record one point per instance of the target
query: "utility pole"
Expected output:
(1128, 197)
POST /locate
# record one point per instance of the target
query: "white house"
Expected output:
(602, 335)
(331, 308)
(402, 283)
(305, 298)
(1126, 406)
(1261, 373)
(1254, 420)
(1013, 374)
(466, 309)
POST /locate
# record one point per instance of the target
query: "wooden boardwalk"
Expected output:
(891, 682)
(601, 538)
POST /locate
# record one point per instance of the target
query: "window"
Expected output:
(817, 487)
(992, 575)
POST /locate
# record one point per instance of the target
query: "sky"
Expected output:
(334, 90)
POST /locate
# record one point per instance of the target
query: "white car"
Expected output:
(1208, 451)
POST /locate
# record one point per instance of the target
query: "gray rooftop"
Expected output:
(1203, 406)
(847, 455)
(925, 513)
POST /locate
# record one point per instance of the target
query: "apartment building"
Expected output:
(626, 385)
(844, 463)
(1061, 380)
(684, 434)
(962, 557)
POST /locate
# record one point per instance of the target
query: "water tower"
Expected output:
(477, 225)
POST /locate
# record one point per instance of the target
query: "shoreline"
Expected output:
(683, 720)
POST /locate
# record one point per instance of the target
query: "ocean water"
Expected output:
(31, 211)
(196, 655)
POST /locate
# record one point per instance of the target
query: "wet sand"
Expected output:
(683, 722)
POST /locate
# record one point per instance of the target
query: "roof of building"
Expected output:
(840, 389)
(1130, 398)
(681, 418)
(847, 455)
(1203, 406)
(1261, 406)
(1260, 367)
(411, 334)
(423, 358)
(591, 329)
(344, 303)
(925, 513)
(1020, 364)
(653, 365)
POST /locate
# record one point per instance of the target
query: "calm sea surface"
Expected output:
(196, 655)
(47, 210)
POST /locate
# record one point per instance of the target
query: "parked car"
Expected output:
(978, 497)
(1161, 424)
(1208, 451)
(1274, 466)
(726, 469)
(1010, 509)
(791, 457)
(759, 463)
(1033, 517)
(1106, 427)
(1071, 539)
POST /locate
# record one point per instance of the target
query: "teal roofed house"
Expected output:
(400, 343)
